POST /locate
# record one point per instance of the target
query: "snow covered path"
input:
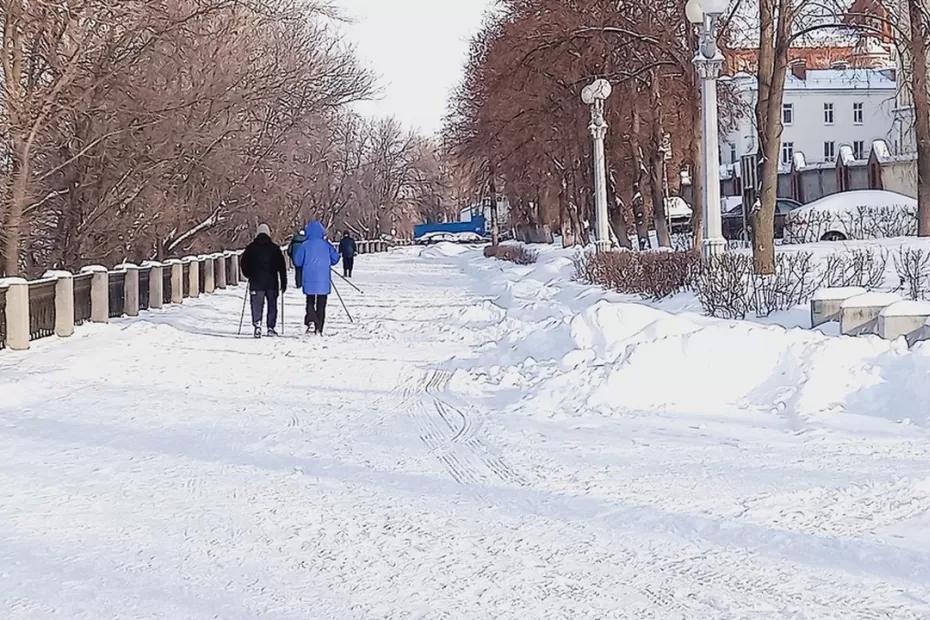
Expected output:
(404, 467)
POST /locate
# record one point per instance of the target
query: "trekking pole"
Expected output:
(283, 304)
(245, 298)
(351, 320)
(347, 281)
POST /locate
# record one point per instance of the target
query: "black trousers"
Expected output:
(348, 262)
(316, 312)
(299, 276)
(258, 303)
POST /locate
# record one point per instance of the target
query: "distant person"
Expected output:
(298, 238)
(264, 266)
(348, 249)
(316, 257)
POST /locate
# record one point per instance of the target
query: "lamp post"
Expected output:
(595, 95)
(705, 16)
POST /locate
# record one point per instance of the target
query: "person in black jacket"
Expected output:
(296, 241)
(264, 265)
(348, 249)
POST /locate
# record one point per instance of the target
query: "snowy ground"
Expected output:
(488, 441)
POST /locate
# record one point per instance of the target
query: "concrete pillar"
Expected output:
(219, 270)
(859, 314)
(193, 275)
(827, 303)
(17, 313)
(131, 289)
(64, 302)
(156, 284)
(234, 276)
(209, 278)
(177, 280)
(99, 294)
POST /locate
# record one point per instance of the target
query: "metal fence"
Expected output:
(186, 280)
(41, 309)
(117, 294)
(2, 318)
(202, 276)
(144, 276)
(82, 298)
(166, 285)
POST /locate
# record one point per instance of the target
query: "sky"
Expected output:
(418, 49)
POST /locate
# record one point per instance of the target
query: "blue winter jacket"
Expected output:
(316, 256)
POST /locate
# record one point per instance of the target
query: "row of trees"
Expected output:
(517, 120)
(146, 128)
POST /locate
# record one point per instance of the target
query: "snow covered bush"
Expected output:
(913, 267)
(728, 288)
(651, 275)
(514, 253)
(862, 267)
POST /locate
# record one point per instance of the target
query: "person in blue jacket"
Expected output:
(316, 257)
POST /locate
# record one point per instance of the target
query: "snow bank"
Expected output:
(576, 349)
(443, 250)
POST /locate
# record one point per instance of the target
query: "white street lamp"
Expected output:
(595, 95)
(705, 16)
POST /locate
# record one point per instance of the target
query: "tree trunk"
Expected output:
(617, 215)
(566, 226)
(12, 230)
(639, 201)
(657, 170)
(495, 230)
(921, 95)
(697, 180)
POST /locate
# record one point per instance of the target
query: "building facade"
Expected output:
(823, 111)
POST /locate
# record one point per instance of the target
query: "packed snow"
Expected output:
(486, 441)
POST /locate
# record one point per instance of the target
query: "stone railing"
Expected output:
(860, 313)
(61, 300)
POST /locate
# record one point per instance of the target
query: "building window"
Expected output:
(732, 153)
(828, 113)
(859, 149)
(787, 153)
(829, 151)
(858, 114)
(787, 114)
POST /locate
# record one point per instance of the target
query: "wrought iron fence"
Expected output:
(2, 318)
(41, 309)
(166, 284)
(144, 275)
(202, 278)
(117, 293)
(186, 280)
(82, 284)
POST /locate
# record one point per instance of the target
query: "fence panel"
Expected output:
(41, 309)
(144, 275)
(117, 294)
(202, 277)
(186, 280)
(82, 284)
(166, 284)
(2, 318)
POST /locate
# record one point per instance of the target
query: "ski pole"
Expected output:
(245, 298)
(347, 281)
(283, 304)
(351, 320)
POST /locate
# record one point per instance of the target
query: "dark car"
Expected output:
(733, 219)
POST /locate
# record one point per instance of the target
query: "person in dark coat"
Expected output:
(348, 250)
(264, 266)
(316, 256)
(296, 241)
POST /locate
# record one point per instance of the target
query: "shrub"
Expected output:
(519, 254)
(913, 267)
(865, 268)
(651, 275)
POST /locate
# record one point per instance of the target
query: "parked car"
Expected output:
(679, 214)
(863, 214)
(733, 219)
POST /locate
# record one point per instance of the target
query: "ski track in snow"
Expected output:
(164, 468)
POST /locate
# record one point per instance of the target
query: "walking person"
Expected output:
(298, 238)
(316, 256)
(264, 266)
(348, 249)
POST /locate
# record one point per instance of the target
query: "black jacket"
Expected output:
(263, 264)
(347, 247)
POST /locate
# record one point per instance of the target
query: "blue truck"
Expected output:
(470, 231)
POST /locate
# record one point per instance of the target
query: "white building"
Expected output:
(823, 110)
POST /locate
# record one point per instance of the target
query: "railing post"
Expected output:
(99, 293)
(131, 289)
(17, 313)
(219, 270)
(209, 278)
(156, 284)
(64, 302)
(235, 275)
(193, 275)
(177, 280)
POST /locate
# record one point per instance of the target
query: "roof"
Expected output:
(833, 79)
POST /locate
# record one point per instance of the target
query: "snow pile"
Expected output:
(576, 349)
